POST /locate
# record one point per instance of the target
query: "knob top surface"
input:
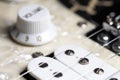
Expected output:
(34, 13)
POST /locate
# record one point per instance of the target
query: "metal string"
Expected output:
(110, 57)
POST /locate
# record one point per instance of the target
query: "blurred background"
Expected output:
(95, 10)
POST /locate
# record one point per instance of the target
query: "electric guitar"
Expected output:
(59, 40)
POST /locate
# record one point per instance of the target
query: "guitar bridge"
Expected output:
(108, 35)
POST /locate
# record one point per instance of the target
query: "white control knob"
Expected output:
(34, 26)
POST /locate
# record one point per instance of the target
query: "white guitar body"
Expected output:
(14, 57)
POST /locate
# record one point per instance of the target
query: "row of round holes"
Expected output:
(85, 61)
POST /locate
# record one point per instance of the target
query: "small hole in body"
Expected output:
(57, 74)
(43, 65)
(84, 61)
(69, 52)
(98, 71)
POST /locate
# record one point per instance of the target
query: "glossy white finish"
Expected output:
(48, 72)
(70, 60)
(69, 33)
(85, 70)
(108, 71)
(34, 26)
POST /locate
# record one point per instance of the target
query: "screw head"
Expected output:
(69, 52)
(99, 71)
(84, 61)
(37, 54)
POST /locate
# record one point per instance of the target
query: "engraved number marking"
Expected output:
(38, 38)
(26, 38)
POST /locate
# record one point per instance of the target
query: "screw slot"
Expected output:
(43, 65)
(69, 52)
(99, 71)
(84, 61)
(57, 74)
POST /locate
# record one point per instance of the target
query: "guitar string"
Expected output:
(95, 33)
(28, 71)
(36, 69)
(88, 37)
(22, 75)
(68, 68)
(109, 57)
(82, 75)
(106, 43)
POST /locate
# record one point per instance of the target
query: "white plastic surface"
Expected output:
(117, 76)
(85, 70)
(70, 60)
(53, 66)
(108, 71)
(34, 26)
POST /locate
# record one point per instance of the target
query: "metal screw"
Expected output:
(43, 65)
(69, 52)
(116, 47)
(37, 54)
(82, 24)
(99, 71)
(84, 61)
(103, 38)
(57, 74)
